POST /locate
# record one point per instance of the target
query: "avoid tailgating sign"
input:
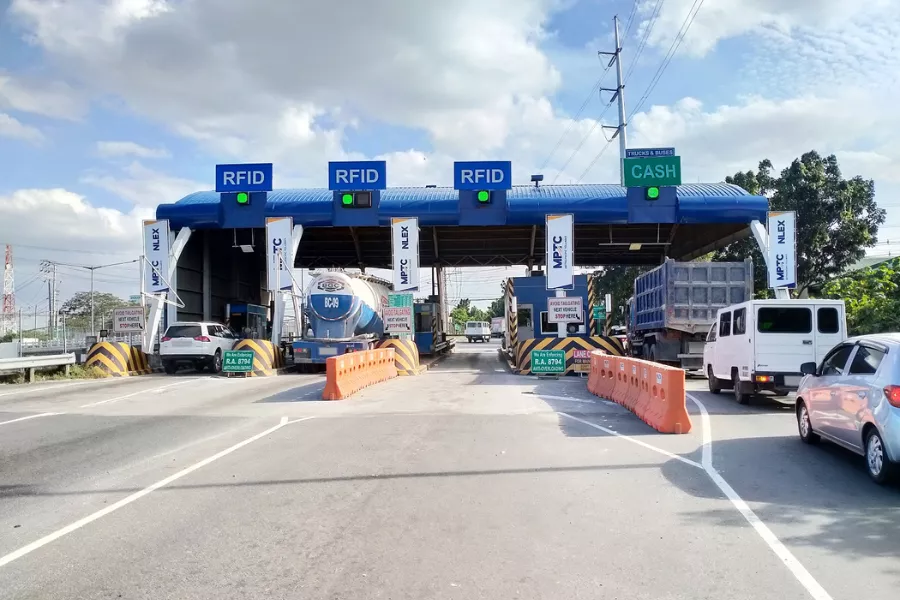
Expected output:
(565, 310)
(398, 319)
(128, 319)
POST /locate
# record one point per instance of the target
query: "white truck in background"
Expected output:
(498, 327)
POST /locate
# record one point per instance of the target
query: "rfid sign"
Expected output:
(244, 178)
(482, 175)
(357, 176)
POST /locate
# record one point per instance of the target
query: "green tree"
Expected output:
(872, 296)
(618, 280)
(78, 309)
(837, 218)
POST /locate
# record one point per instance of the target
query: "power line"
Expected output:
(643, 43)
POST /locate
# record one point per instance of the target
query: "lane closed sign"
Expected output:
(565, 310)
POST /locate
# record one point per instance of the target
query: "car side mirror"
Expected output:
(808, 368)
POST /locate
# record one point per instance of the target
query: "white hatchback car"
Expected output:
(199, 344)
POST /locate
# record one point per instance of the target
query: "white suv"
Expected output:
(200, 344)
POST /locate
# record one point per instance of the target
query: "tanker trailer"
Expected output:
(344, 314)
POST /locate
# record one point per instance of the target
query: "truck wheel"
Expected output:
(715, 385)
(740, 395)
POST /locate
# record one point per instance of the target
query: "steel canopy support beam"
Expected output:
(434, 237)
(531, 247)
(356, 247)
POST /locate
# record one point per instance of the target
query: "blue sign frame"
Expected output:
(648, 152)
(250, 177)
(357, 176)
(489, 175)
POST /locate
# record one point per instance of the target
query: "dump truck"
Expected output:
(675, 304)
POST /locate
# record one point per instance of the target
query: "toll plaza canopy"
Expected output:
(612, 225)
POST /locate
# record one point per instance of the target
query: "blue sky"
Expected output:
(427, 85)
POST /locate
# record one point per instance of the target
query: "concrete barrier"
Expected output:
(610, 345)
(348, 373)
(406, 355)
(267, 358)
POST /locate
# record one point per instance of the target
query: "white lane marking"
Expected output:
(686, 461)
(796, 568)
(48, 388)
(568, 399)
(30, 417)
(139, 392)
(24, 550)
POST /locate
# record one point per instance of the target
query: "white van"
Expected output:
(759, 345)
(478, 331)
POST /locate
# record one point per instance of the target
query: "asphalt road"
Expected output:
(466, 482)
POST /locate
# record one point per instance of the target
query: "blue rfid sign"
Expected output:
(648, 152)
(482, 175)
(357, 176)
(244, 178)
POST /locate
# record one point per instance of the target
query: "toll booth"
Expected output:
(429, 335)
(249, 321)
(531, 295)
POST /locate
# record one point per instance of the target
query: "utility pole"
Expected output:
(618, 94)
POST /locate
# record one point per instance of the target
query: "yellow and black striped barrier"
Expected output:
(139, 363)
(512, 319)
(406, 355)
(592, 302)
(110, 358)
(570, 345)
(267, 358)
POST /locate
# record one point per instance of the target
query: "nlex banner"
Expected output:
(156, 255)
(278, 253)
(560, 252)
(405, 253)
(782, 259)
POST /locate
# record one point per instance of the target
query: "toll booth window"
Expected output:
(740, 321)
(423, 321)
(523, 318)
(184, 331)
(547, 326)
(725, 324)
(827, 319)
(771, 319)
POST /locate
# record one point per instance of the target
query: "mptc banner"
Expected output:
(278, 253)
(156, 253)
(782, 259)
(405, 253)
(560, 248)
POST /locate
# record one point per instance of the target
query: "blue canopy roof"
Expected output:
(527, 205)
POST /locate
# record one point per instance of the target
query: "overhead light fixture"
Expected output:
(634, 247)
(246, 248)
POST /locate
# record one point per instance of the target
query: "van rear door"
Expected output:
(784, 338)
(830, 328)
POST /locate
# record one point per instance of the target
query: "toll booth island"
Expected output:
(242, 241)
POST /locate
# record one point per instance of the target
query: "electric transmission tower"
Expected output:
(8, 305)
(48, 268)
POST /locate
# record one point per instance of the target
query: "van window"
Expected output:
(712, 334)
(866, 361)
(471, 324)
(827, 320)
(547, 326)
(836, 360)
(725, 324)
(740, 321)
(772, 319)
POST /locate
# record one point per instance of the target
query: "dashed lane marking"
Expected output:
(49, 414)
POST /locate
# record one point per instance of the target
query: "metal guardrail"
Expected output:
(36, 362)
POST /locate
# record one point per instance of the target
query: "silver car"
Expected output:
(853, 399)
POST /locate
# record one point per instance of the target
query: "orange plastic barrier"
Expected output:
(653, 392)
(348, 373)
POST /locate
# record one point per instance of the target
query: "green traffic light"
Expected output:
(347, 199)
(484, 196)
(652, 193)
(243, 198)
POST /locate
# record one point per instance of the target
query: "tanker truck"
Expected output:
(344, 314)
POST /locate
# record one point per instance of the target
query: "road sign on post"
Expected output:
(548, 361)
(398, 315)
(128, 319)
(648, 152)
(237, 361)
(653, 171)
(599, 313)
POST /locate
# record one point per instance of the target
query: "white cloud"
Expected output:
(143, 187)
(12, 128)
(47, 98)
(115, 149)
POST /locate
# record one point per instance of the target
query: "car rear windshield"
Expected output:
(784, 320)
(184, 331)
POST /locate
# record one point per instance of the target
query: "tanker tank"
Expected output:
(343, 306)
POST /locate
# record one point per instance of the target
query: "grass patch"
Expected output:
(75, 372)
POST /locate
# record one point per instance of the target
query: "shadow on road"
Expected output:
(308, 392)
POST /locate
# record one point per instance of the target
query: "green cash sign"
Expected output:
(548, 361)
(652, 171)
(237, 361)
